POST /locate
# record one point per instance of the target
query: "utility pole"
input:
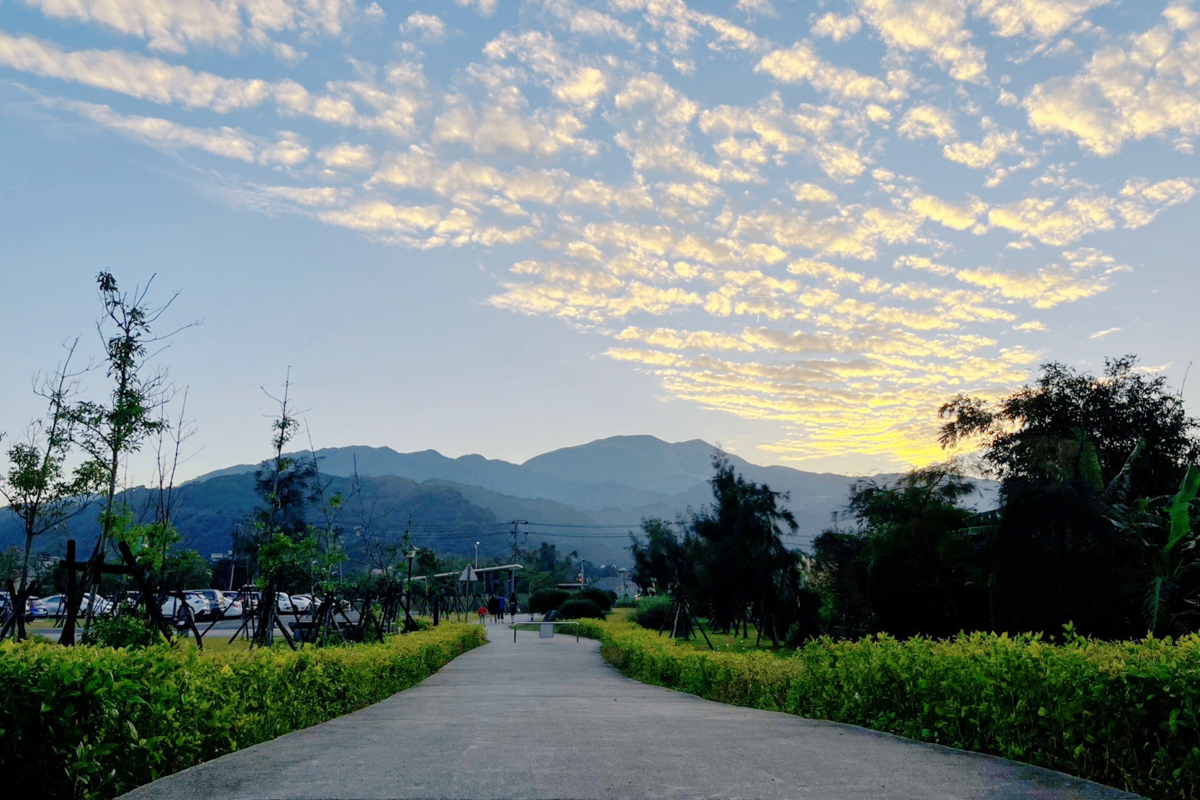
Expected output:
(408, 589)
(512, 573)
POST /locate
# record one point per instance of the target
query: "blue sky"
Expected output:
(504, 226)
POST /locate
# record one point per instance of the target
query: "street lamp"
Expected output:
(408, 590)
(477, 555)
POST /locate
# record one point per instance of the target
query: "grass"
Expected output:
(724, 642)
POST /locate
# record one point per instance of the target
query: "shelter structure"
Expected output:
(477, 585)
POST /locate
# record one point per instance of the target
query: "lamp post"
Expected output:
(477, 555)
(408, 588)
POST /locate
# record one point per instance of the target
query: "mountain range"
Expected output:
(586, 497)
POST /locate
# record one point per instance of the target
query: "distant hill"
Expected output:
(586, 497)
(620, 472)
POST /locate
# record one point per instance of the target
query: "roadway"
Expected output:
(548, 718)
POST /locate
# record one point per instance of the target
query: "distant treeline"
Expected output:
(1095, 529)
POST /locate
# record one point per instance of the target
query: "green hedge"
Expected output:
(544, 601)
(580, 608)
(95, 722)
(1123, 714)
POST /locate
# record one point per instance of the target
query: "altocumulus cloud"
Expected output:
(827, 221)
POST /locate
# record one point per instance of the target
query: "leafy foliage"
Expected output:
(651, 612)
(1048, 430)
(601, 598)
(580, 608)
(95, 722)
(1124, 714)
(127, 630)
(546, 600)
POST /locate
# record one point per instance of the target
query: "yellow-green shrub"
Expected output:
(1125, 714)
(95, 721)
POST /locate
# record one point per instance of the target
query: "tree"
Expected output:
(663, 559)
(285, 485)
(839, 574)
(1062, 547)
(1044, 431)
(742, 566)
(109, 432)
(921, 568)
(38, 487)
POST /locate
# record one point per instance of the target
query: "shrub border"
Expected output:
(95, 721)
(1123, 714)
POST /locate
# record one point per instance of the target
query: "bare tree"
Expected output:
(38, 487)
(109, 432)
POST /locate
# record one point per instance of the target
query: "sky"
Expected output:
(793, 229)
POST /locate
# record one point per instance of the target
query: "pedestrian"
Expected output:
(512, 606)
(482, 614)
(501, 606)
(493, 606)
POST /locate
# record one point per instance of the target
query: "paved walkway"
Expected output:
(548, 718)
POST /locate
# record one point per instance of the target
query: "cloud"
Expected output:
(429, 27)
(485, 8)
(590, 22)
(506, 124)
(776, 251)
(1142, 87)
(926, 121)
(959, 216)
(1085, 273)
(937, 27)
(801, 64)
(812, 193)
(345, 156)
(175, 25)
(133, 75)
(1053, 223)
(1102, 334)
(225, 142)
(396, 103)
(1037, 19)
(836, 27)
(983, 154)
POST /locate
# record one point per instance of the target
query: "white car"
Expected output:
(219, 601)
(303, 603)
(283, 602)
(195, 603)
(56, 604)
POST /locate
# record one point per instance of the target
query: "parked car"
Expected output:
(56, 604)
(283, 602)
(217, 601)
(196, 605)
(303, 603)
(35, 609)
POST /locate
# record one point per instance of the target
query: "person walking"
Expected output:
(501, 607)
(493, 606)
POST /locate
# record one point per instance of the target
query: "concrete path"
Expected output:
(548, 718)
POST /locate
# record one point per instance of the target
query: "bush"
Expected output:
(546, 600)
(96, 722)
(580, 608)
(127, 630)
(651, 612)
(1124, 714)
(599, 597)
(626, 602)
